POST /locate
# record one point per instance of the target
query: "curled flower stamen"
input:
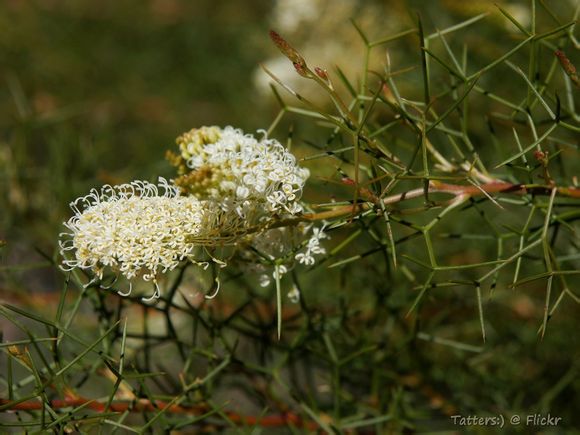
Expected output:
(155, 294)
(128, 292)
(217, 289)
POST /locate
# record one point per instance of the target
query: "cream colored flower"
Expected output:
(257, 179)
(137, 229)
(237, 186)
(312, 248)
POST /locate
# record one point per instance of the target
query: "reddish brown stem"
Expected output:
(436, 186)
(278, 420)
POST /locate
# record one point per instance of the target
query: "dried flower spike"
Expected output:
(291, 53)
(568, 67)
(322, 73)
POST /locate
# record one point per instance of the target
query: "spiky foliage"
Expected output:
(449, 285)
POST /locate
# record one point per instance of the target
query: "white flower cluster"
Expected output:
(236, 185)
(256, 179)
(280, 242)
(136, 229)
(312, 247)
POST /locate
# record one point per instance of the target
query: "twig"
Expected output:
(438, 187)
(144, 405)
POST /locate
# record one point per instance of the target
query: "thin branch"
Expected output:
(144, 405)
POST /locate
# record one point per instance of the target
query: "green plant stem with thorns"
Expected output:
(415, 116)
